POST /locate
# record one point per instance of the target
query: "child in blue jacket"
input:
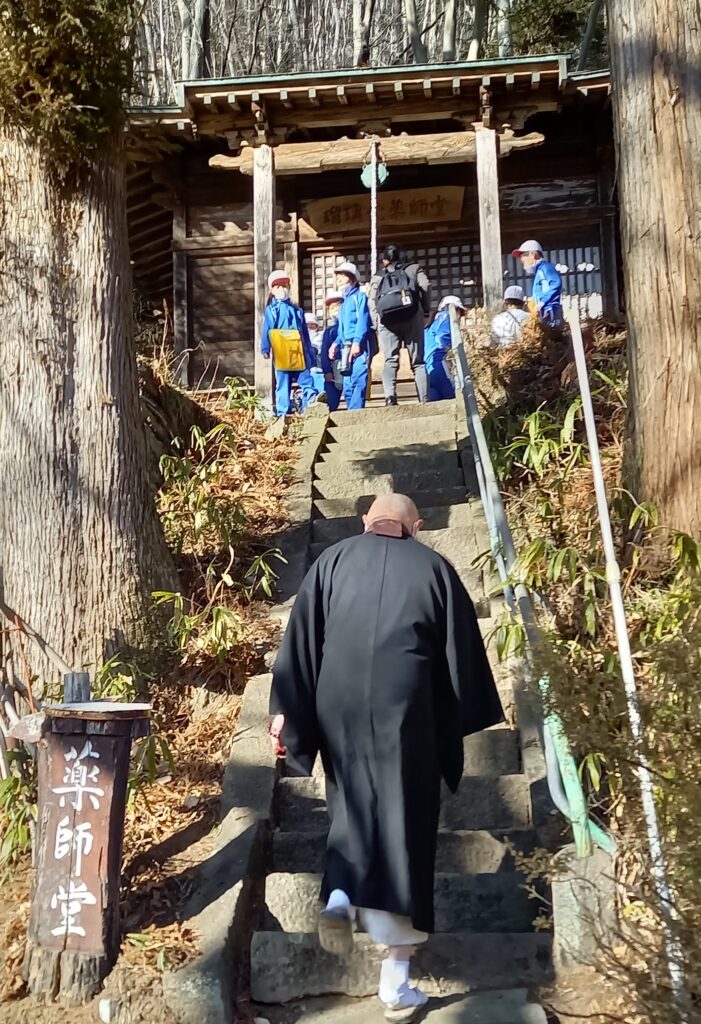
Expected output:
(333, 381)
(282, 314)
(547, 283)
(437, 345)
(354, 336)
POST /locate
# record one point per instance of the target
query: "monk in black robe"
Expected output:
(383, 672)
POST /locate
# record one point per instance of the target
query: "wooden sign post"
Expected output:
(83, 763)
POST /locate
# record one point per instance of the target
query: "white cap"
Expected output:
(332, 297)
(451, 300)
(515, 292)
(278, 277)
(311, 318)
(528, 246)
(347, 268)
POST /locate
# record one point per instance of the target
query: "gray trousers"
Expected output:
(411, 336)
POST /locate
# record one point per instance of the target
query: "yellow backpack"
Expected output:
(288, 350)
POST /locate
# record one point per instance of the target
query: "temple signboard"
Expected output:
(394, 209)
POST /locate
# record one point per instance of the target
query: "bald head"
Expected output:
(398, 509)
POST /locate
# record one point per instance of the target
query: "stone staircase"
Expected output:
(486, 953)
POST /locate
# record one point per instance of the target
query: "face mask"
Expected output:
(281, 293)
(333, 312)
(345, 288)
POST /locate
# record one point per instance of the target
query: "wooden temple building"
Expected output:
(243, 175)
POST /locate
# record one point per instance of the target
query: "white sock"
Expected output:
(395, 990)
(338, 900)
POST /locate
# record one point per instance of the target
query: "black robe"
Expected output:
(383, 670)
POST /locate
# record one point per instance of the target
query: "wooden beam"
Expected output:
(346, 154)
(263, 260)
(510, 82)
(535, 81)
(489, 216)
(370, 93)
(428, 88)
(341, 95)
(456, 86)
(313, 98)
(399, 91)
(285, 99)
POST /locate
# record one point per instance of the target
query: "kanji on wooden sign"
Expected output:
(83, 760)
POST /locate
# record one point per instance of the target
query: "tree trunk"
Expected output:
(412, 24)
(479, 30)
(449, 31)
(81, 547)
(589, 33)
(655, 60)
(504, 36)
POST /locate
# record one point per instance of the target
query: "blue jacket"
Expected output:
(437, 339)
(286, 316)
(329, 339)
(354, 324)
(547, 292)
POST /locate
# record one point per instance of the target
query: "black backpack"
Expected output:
(397, 297)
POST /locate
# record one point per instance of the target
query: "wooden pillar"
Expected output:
(609, 234)
(83, 767)
(263, 259)
(292, 268)
(181, 339)
(486, 144)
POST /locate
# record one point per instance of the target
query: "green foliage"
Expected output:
(542, 460)
(197, 512)
(556, 28)
(18, 807)
(213, 631)
(149, 756)
(240, 395)
(65, 66)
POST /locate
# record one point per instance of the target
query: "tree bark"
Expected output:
(81, 547)
(449, 31)
(504, 34)
(589, 33)
(655, 61)
(412, 24)
(479, 30)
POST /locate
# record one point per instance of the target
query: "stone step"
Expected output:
(503, 1006)
(370, 435)
(436, 518)
(336, 451)
(476, 852)
(493, 752)
(443, 498)
(462, 903)
(396, 465)
(407, 411)
(491, 803)
(293, 966)
(481, 803)
(354, 485)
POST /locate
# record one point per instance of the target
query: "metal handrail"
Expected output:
(563, 778)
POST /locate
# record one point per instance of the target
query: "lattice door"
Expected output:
(451, 269)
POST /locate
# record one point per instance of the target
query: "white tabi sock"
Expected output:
(395, 991)
(339, 900)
